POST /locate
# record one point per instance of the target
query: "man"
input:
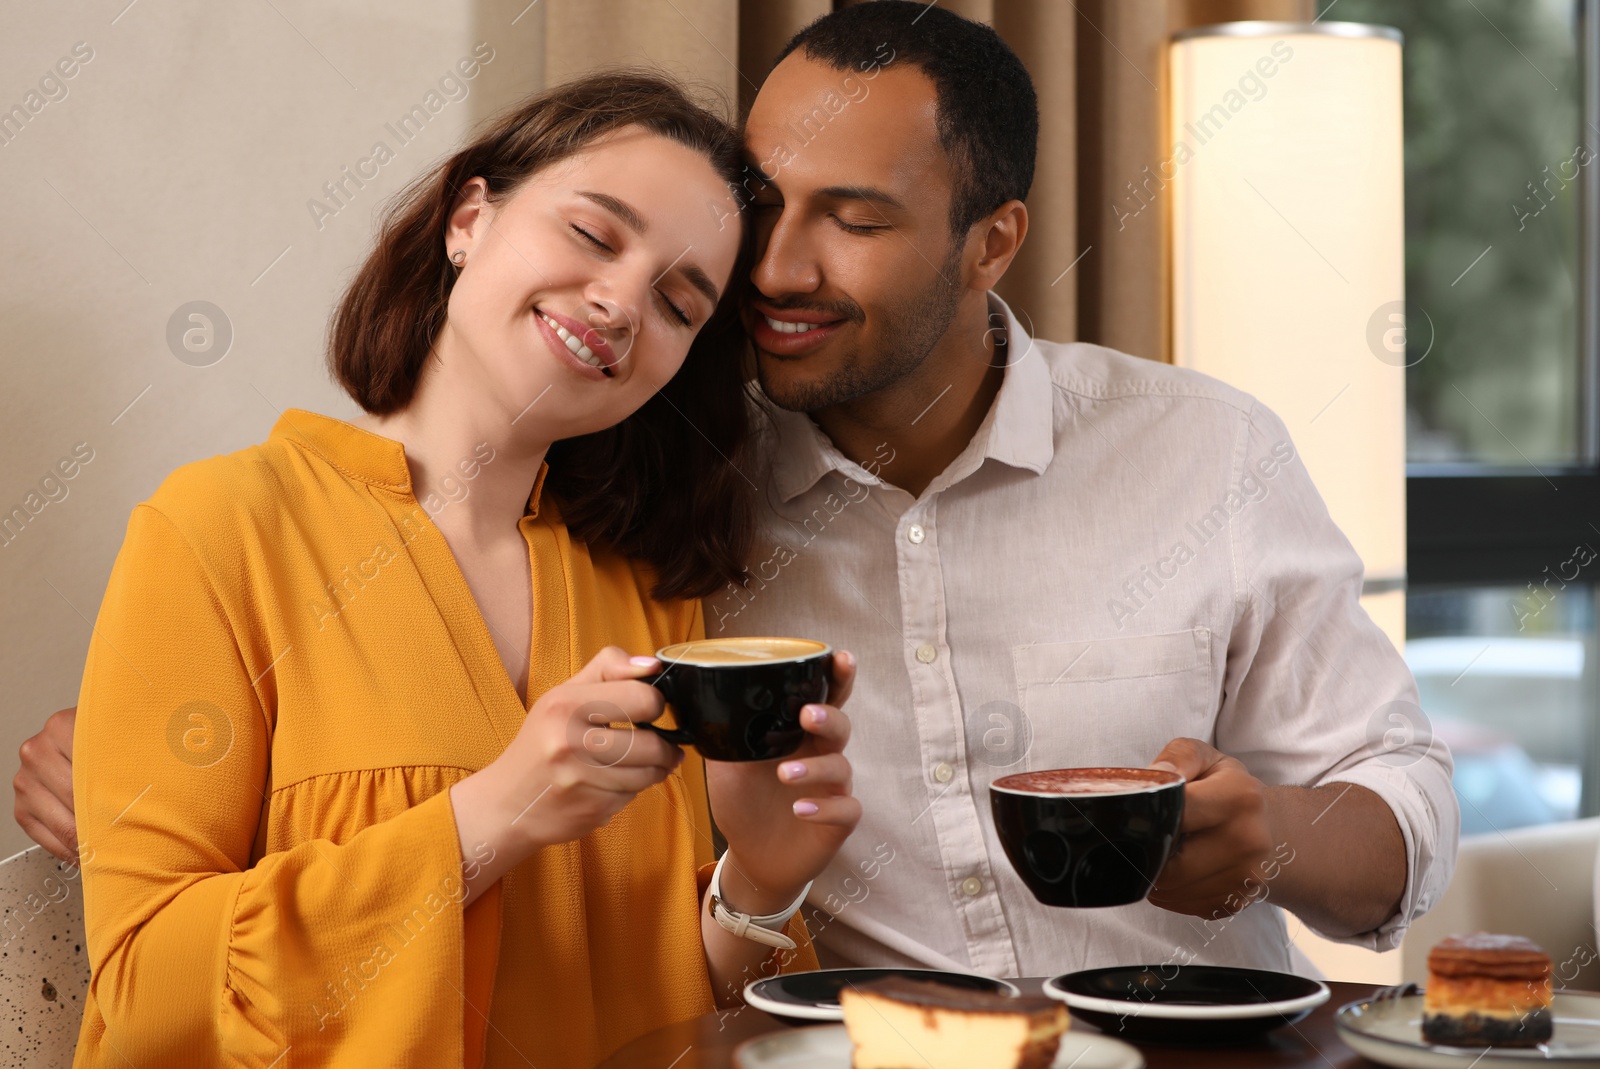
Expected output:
(1043, 556)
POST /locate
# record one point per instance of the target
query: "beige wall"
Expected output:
(177, 168)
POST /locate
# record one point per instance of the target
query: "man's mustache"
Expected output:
(836, 309)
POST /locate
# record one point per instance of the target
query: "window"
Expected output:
(1507, 676)
(1502, 150)
(1496, 154)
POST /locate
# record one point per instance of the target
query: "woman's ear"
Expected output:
(469, 219)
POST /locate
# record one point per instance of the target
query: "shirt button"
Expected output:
(916, 534)
(972, 887)
(943, 772)
(926, 653)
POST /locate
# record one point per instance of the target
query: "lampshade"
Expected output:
(1287, 195)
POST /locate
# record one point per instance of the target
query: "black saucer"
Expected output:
(1186, 1003)
(807, 997)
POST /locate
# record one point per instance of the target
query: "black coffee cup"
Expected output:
(739, 699)
(1088, 836)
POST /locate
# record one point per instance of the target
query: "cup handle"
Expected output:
(676, 736)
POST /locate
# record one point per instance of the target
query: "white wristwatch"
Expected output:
(767, 930)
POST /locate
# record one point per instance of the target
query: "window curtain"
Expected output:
(1094, 267)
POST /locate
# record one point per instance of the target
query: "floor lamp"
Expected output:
(1288, 272)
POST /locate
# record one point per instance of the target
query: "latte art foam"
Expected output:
(741, 651)
(1087, 781)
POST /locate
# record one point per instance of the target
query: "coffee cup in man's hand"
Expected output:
(1088, 836)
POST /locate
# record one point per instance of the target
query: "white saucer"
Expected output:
(828, 1047)
(1390, 1033)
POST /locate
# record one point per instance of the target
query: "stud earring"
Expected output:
(458, 257)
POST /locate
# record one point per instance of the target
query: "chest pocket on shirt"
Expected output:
(1114, 701)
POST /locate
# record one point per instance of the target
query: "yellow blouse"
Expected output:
(287, 674)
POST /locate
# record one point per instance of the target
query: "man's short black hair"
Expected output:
(987, 113)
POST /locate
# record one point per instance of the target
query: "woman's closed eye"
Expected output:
(673, 312)
(591, 239)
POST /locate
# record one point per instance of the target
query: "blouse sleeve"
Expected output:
(198, 954)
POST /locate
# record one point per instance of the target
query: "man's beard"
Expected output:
(909, 333)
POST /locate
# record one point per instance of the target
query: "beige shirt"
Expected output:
(1126, 552)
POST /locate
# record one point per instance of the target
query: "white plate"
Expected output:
(828, 1047)
(1390, 1033)
(814, 995)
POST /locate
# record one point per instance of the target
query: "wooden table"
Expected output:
(708, 1042)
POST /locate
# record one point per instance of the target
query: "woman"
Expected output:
(321, 821)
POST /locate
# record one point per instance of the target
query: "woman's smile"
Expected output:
(582, 349)
(589, 343)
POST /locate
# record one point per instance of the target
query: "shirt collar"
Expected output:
(361, 454)
(1019, 429)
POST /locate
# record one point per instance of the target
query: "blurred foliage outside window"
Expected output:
(1495, 147)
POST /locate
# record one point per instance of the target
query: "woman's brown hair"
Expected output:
(663, 485)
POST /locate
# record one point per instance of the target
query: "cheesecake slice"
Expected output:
(916, 1024)
(1487, 991)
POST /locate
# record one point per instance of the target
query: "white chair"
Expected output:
(44, 965)
(1536, 882)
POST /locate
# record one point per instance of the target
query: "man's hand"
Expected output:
(1224, 852)
(1332, 855)
(44, 787)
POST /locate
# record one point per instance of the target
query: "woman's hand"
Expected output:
(566, 773)
(43, 787)
(785, 820)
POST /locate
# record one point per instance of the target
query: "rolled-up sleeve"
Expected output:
(1314, 692)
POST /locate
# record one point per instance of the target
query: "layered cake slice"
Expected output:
(1487, 991)
(916, 1024)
